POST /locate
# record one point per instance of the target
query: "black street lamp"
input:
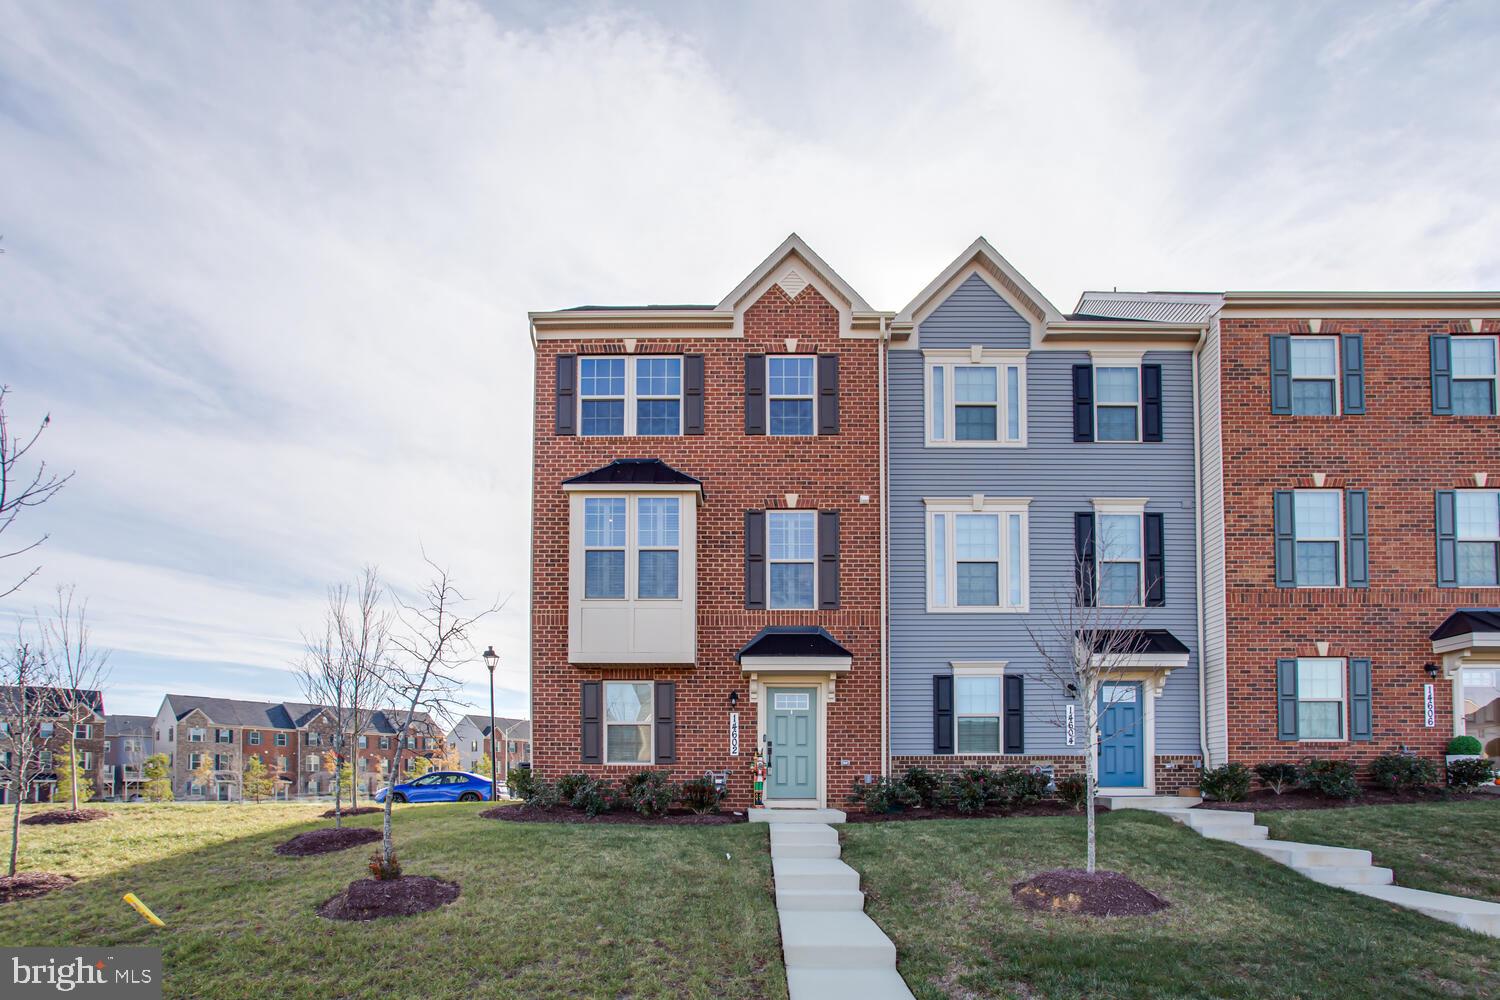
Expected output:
(492, 660)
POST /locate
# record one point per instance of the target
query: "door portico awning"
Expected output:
(1469, 635)
(793, 649)
(1139, 654)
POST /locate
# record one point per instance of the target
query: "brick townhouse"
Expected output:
(706, 536)
(56, 721)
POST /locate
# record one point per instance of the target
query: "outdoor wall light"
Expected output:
(1432, 670)
(1072, 690)
(734, 698)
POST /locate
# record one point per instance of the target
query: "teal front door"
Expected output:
(1122, 737)
(792, 732)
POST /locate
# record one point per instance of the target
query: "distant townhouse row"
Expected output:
(792, 524)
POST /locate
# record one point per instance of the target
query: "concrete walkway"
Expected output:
(832, 950)
(1342, 867)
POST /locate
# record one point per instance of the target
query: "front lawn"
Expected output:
(1239, 926)
(545, 910)
(1451, 847)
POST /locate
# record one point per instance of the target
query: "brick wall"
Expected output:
(1398, 451)
(739, 473)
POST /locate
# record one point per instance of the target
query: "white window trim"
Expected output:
(1343, 663)
(650, 725)
(948, 360)
(200, 737)
(1494, 380)
(631, 398)
(1459, 538)
(813, 562)
(811, 397)
(946, 507)
(1128, 507)
(623, 549)
(253, 738)
(633, 548)
(1118, 359)
(980, 669)
(633, 506)
(1337, 379)
(1338, 540)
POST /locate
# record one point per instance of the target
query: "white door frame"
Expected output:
(1151, 683)
(759, 683)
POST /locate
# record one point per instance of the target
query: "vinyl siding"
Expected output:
(1212, 470)
(1061, 477)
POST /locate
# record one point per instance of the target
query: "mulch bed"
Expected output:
(1047, 807)
(1073, 890)
(1265, 800)
(66, 816)
(361, 811)
(369, 899)
(29, 885)
(324, 841)
(561, 814)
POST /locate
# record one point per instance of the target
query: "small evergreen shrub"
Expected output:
(519, 781)
(1229, 783)
(1397, 772)
(1073, 790)
(1278, 777)
(885, 795)
(648, 792)
(383, 870)
(1467, 775)
(569, 784)
(594, 796)
(542, 795)
(1018, 786)
(930, 786)
(1333, 779)
(1464, 744)
(700, 795)
(972, 789)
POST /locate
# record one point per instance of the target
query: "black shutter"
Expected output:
(1156, 562)
(1281, 373)
(755, 559)
(1083, 402)
(1285, 528)
(666, 722)
(828, 560)
(1357, 538)
(942, 713)
(1015, 713)
(1442, 373)
(1083, 560)
(1447, 538)
(1286, 699)
(1361, 718)
(567, 394)
(1353, 349)
(828, 393)
(592, 707)
(755, 394)
(692, 394)
(1150, 402)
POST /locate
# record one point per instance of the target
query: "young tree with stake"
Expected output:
(25, 703)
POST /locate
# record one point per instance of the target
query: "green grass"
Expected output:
(546, 910)
(1451, 847)
(1239, 926)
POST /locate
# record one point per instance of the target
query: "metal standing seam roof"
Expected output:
(1466, 620)
(1155, 307)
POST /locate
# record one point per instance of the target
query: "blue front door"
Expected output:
(792, 728)
(1122, 736)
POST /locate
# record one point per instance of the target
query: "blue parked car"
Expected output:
(441, 786)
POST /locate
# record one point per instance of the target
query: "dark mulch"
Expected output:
(324, 841)
(1073, 890)
(28, 885)
(66, 816)
(369, 899)
(1265, 800)
(562, 814)
(1047, 807)
(361, 811)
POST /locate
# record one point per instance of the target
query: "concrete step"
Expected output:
(1151, 802)
(803, 833)
(1234, 833)
(834, 940)
(819, 899)
(846, 984)
(813, 873)
(804, 850)
(1293, 854)
(796, 816)
(1341, 876)
(1200, 818)
(1471, 914)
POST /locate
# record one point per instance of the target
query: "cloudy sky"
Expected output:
(268, 266)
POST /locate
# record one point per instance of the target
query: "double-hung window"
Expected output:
(791, 383)
(1474, 375)
(1320, 698)
(636, 396)
(976, 397)
(977, 557)
(223, 735)
(82, 731)
(1117, 403)
(1478, 537)
(1315, 376)
(254, 738)
(792, 555)
(198, 735)
(627, 722)
(658, 538)
(976, 712)
(604, 548)
(657, 547)
(281, 739)
(1319, 524)
(1121, 559)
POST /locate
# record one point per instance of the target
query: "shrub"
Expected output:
(971, 789)
(542, 794)
(648, 792)
(1331, 778)
(382, 870)
(569, 784)
(1229, 783)
(1278, 777)
(1467, 775)
(519, 781)
(1397, 771)
(701, 795)
(594, 796)
(1073, 790)
(1018, 786)
(930, 786)
(1465, 744)
(885, 795)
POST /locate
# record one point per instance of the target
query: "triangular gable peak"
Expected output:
(1010, 284)
(795, 268)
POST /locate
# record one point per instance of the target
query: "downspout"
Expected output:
(885, 655)
(1198, 555)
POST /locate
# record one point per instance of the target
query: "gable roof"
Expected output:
(512, 729)
(55, 698)
(998, 271)
(795, 246)
(128, 725)
(276, 715)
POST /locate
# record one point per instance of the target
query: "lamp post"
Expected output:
(491, 661)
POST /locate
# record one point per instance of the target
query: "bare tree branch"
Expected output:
(18, 492)
(27, 699)
(81, 669)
